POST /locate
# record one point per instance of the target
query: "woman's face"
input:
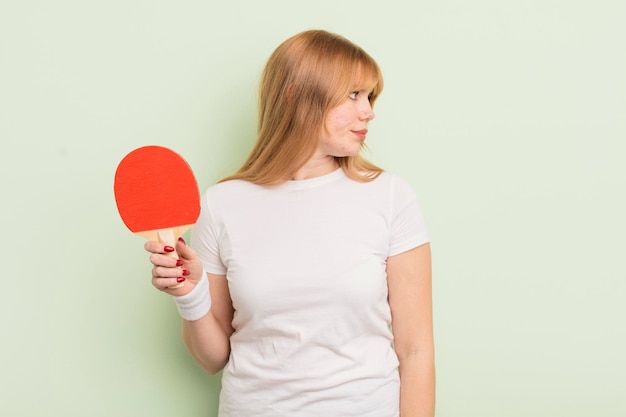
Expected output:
(345, 126)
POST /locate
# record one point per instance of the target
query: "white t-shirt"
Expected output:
(305, 264)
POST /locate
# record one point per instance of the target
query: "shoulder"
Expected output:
(229, 189)
(224, 196)
(393, 183)
(230, 186)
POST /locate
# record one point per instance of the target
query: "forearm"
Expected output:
(207, 342)
(410, 298)
(417, 385)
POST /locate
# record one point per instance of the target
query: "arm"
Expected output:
(208, 338)
(410, 298)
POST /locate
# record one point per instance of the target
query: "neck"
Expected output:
(316, 167)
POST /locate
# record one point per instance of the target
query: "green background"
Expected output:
(508, 118)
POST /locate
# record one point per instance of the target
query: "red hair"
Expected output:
(307, 75)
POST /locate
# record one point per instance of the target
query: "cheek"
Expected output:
(337, 124)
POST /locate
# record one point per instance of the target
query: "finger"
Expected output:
(164, 284)
(184, 251)
(158, 259)
(165, 272)
(157, 247)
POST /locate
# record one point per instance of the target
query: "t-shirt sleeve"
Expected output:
(408, 227)
(205, 239)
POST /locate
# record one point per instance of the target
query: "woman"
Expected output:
(304, 258)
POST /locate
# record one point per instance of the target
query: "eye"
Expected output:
(353, 95)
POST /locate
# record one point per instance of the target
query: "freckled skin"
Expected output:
(346, 125)
(345, 129)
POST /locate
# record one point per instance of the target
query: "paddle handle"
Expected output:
(167, 236)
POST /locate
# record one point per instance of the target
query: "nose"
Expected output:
(367, 113)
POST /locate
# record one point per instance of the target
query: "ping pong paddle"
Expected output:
(157, 195)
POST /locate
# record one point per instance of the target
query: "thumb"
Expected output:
(184, 251)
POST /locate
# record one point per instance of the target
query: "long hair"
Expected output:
(306, 76)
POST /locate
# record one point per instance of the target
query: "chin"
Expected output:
(346, 154)
(354, 151)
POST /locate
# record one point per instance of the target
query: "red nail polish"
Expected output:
(181, 279)
(180, 239)
(185, 272)
(179, 262)
(169, 249)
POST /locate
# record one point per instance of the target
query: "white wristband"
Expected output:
(197, 303)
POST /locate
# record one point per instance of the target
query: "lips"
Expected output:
(360, 133)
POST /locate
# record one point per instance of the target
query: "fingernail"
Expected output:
(180, 239)
(169, 249)
(179, 262)
(181, 279)
(185, 272)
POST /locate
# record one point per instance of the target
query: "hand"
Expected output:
(168, 271)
